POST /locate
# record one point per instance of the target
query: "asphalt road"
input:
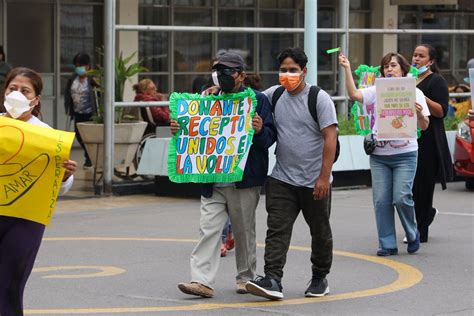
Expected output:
(125, 256)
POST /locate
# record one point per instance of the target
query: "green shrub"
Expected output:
(346, 126)
(451, 123)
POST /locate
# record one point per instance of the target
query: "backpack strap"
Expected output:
(276, 95)
(313, 102)
(312, 107)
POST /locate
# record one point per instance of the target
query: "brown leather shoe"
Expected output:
(240, 288)
(195, 288)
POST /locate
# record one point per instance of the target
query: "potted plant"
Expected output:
(128, 130)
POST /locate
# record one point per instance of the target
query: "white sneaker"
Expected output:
(405, 240)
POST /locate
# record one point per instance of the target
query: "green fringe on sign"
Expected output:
(414, 72)
(359, 73)
(359, 130)
(236, 174)
(367, 68)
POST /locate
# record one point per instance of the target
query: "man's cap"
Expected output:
(231, 60)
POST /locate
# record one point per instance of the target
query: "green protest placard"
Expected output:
(214, 137)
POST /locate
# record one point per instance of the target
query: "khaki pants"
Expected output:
(239, 205)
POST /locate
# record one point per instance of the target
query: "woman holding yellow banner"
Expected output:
(20, 238)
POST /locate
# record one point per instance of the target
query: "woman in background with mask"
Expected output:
(434, 159)
(79, 97)
(20, 239)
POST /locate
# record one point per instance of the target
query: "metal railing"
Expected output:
(275, 30)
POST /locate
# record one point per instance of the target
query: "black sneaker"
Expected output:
(265, 287)
(318, 287)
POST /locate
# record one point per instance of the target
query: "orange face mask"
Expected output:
(289, 80)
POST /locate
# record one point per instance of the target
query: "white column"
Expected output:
(127, 42)
(109, 75)
(311, 39)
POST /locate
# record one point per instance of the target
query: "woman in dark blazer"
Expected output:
(434, 158)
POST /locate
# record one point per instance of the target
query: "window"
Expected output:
(24, 39)
(80, 31)
(236, 3)
(192, 16)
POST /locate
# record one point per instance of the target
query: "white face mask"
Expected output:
(214, 79)
(16, 104)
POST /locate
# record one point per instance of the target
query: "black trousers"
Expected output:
(284, 203)
(423, 192)
(20, 241)
(79, 118)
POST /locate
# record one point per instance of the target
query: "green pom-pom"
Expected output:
(413, 72)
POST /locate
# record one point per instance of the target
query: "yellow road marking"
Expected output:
(104, 271)
(408, 276)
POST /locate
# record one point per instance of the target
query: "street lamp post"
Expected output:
(109, 94)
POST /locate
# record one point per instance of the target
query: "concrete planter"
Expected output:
(127, 138)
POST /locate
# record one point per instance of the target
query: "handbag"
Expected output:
(369, 144)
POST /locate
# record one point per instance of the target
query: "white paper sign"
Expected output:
(396, 110)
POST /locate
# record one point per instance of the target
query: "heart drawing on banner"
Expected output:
(6, 156)
(16, 179)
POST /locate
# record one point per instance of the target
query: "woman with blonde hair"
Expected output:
(146, 92)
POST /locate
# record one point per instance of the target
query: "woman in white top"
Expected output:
(20, 239)
(392, 163)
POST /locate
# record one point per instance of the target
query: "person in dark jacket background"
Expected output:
(79, 97)
(237, 200)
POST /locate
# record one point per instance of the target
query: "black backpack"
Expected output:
(312, 101)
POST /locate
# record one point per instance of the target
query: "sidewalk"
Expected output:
(83, 186)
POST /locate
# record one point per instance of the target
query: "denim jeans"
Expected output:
(227, 229)
(392, 182)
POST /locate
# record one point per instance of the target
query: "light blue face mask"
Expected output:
(422, 70)
(80, 71)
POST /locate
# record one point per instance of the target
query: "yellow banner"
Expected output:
(31, 171)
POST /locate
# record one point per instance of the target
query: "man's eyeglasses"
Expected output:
(227, 71)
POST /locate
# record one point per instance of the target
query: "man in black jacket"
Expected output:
(235, 200)
(79, 97)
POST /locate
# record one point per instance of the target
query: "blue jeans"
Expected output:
(392, 181)
(227, 229)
